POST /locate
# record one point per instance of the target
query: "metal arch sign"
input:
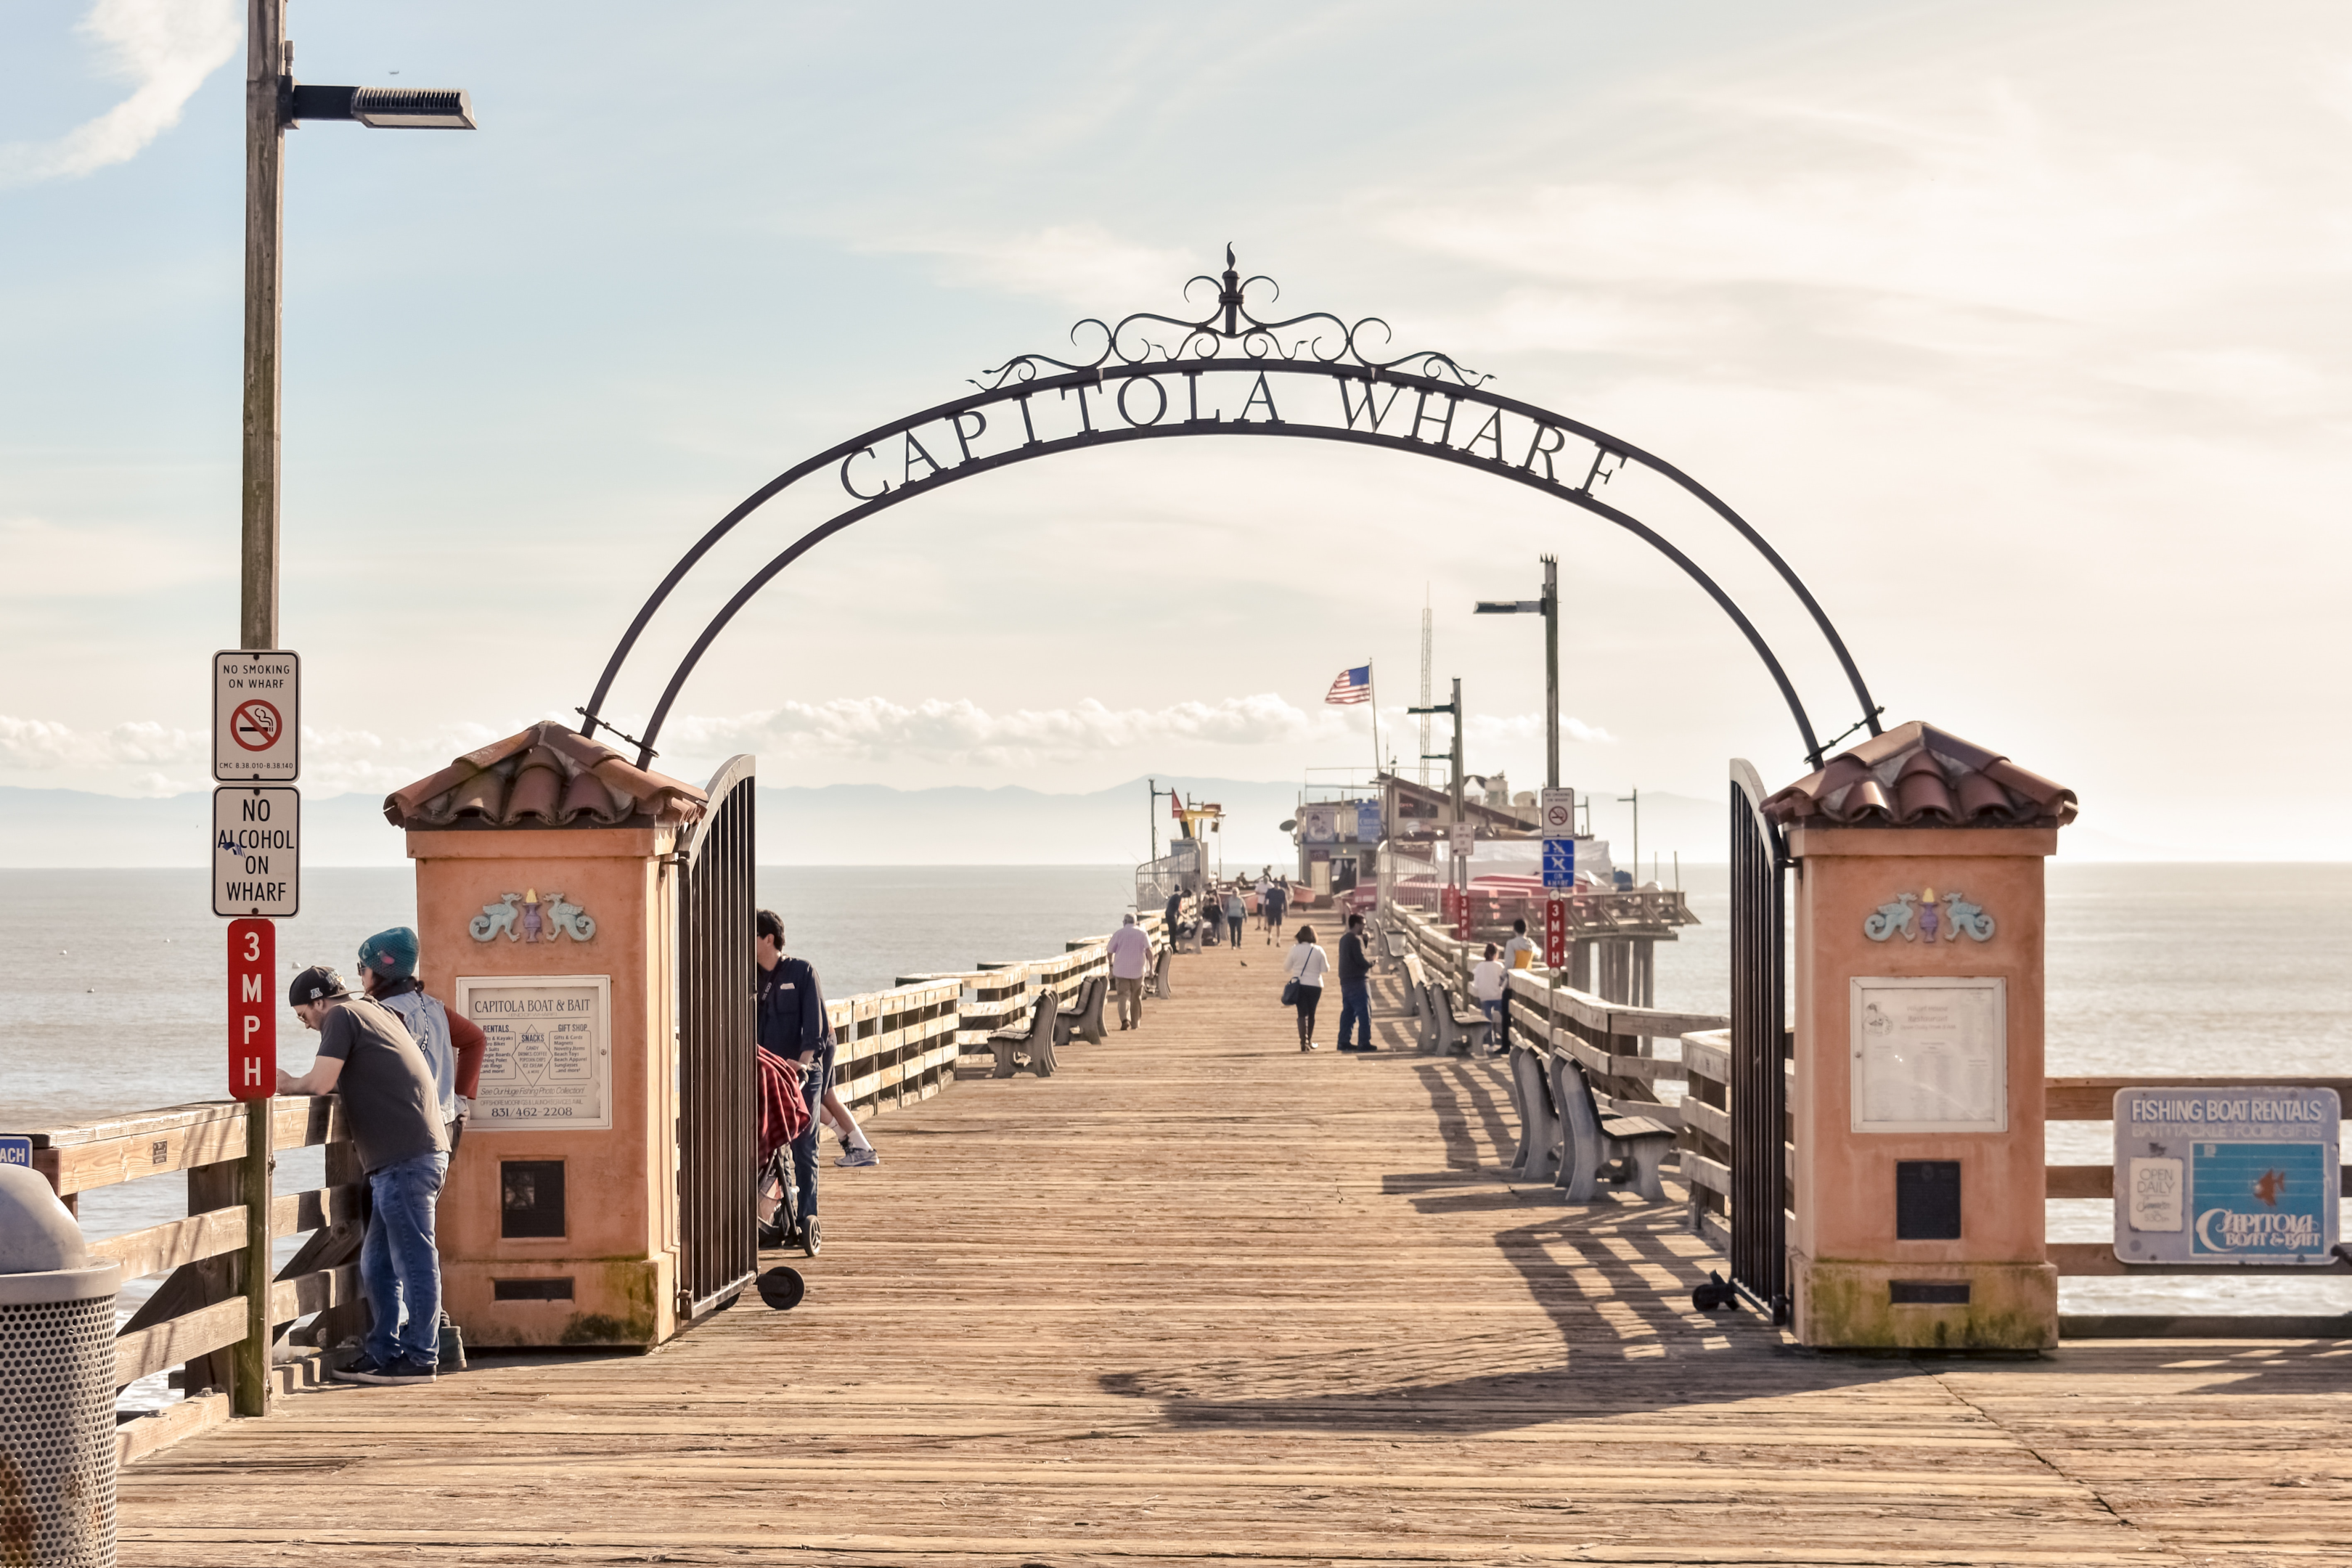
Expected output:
(1233, 373)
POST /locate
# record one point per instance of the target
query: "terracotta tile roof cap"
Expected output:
(547, 776)
(1916, 775)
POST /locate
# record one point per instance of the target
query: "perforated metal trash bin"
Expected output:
(57, 1385)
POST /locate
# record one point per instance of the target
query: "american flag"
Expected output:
(1352, 685)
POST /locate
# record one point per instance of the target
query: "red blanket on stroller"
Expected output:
(783, 1114)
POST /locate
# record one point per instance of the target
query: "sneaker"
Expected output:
(404, 1371)
(364, 1370)
(857, 1159)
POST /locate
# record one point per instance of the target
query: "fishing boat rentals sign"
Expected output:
(2227, 1176)
(549, 1064)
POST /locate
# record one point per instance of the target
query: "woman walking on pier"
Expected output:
(1306, 967)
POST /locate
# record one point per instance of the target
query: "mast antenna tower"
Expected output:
(1424, 685)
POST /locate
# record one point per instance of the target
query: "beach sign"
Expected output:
(2227, 1176)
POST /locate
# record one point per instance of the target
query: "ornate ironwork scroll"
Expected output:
(1232, 330)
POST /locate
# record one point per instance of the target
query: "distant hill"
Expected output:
(873, 825)
(838, 825)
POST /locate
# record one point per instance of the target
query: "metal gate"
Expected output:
(718, 1031)
(1759, 1086)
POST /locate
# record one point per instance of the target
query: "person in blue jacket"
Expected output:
(793, 1025)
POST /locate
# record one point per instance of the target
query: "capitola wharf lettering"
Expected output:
(1106, 402)
(486, 1006)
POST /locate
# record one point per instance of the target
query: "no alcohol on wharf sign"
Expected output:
(257, 717)
(258, 851)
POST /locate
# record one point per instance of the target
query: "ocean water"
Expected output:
(112, 990)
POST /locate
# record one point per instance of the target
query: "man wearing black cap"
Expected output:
(366, 1054)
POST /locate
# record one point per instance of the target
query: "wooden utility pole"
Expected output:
(265, 71)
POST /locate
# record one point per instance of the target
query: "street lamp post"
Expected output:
(273, 102)
(1547, 607)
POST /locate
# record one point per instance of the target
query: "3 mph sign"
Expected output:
(252, 1009)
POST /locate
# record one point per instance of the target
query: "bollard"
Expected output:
(57, 1383)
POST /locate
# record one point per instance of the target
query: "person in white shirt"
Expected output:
(1131, 960)
(1519, 952)
(1487, 982)
(1306, 965)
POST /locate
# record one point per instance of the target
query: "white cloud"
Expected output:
(959, 731)
(166, 48)
(38, 746)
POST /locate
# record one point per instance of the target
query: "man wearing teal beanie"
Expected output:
(452, 1046)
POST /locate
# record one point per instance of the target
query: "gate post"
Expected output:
(1917, 1100)
(546, 912)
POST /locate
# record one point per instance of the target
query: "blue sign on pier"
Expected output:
(1559, 862)
(2227, 1176)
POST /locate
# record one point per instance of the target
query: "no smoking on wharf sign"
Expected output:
(257, 717)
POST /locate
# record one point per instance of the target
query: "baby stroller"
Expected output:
(775, 1186)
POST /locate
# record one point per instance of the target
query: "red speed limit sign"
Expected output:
(1555, 933)
(252, 1009)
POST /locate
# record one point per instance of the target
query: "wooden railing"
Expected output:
(1610, 1039)
(1706, 1153)
(222, 1308)
(894, 1047)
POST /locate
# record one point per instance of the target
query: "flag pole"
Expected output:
(1371, 684)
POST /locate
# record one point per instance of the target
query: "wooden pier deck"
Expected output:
(1198, 1298)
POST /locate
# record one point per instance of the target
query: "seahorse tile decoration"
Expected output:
(1924, 917)
(527, 917)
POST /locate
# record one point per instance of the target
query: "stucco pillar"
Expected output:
(547, 913)
(1916, 980)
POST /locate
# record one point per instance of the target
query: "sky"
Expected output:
(2017, 329)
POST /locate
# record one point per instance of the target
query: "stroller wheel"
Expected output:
(810, 1242)
(783, 1288)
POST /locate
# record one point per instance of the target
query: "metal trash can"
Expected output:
(57, 1383)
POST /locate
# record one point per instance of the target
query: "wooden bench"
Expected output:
(1445, 1026)
(1035, 1038)
(1084, 1018)
(1158, 986)
(1592, 1146)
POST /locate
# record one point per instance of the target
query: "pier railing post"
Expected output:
(250, 1384)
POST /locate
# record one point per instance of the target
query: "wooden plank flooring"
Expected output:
(1201, 1299)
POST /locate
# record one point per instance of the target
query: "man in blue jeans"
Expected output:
(1355, 988)
(793, 1025)
(394, 1109)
